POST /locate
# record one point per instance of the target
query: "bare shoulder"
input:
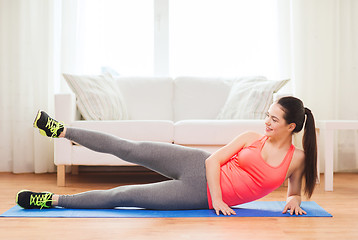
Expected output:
(249, 137)
(239, 142)
(243, 140)
(299, 155)
(299, 159)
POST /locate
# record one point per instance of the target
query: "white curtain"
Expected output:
(347, 154)
(324, 60)
(26, 74)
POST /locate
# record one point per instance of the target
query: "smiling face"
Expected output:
(275, 122)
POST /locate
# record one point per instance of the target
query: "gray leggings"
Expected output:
(185, 166)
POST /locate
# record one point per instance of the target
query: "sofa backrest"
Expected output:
(147, 98)
(182, 98)
(199, 97)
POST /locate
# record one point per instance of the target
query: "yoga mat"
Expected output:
(252, 209)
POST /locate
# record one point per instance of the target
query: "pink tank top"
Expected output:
(247, 177)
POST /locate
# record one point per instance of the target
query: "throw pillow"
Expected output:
(98, 97)
(250, 98)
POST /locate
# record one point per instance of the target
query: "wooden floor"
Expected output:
(342, 204)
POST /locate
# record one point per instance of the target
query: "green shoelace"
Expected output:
(53, 126)
(41, 200)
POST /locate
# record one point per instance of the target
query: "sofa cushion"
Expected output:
(138, 130)
(147, 98)
(98, 97)
(250, 98)
(213, 132)
(199, 97)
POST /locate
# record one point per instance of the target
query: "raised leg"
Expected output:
(172, 161)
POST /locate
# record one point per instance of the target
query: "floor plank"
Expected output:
(342, 204)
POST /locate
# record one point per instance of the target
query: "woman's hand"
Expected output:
(220, 206)
(294, 206)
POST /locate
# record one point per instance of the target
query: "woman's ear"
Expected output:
(291, 126)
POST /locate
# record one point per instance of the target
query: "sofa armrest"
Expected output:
(65, 107)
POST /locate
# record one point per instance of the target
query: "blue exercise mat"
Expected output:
(252, 209)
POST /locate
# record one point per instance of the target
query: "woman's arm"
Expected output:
(213, 164)
(293, 201)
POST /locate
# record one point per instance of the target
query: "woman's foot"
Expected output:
(29, 200)
(48, 126)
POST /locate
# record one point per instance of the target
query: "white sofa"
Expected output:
(178, 111)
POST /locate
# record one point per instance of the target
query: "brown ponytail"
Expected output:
(310, 148)
(296, 113)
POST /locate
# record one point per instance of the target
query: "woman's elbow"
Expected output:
(208, 161)
(211, 161)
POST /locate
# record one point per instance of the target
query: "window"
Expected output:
(186, 37)
(116, 34)
(223, 37)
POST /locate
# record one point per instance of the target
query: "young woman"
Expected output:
(246, 169)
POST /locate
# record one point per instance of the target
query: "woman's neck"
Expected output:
(281, 142)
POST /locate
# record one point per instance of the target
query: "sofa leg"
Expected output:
(74, 169)
(61, 174)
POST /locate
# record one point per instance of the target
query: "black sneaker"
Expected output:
(28, 200)
(48, 126)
